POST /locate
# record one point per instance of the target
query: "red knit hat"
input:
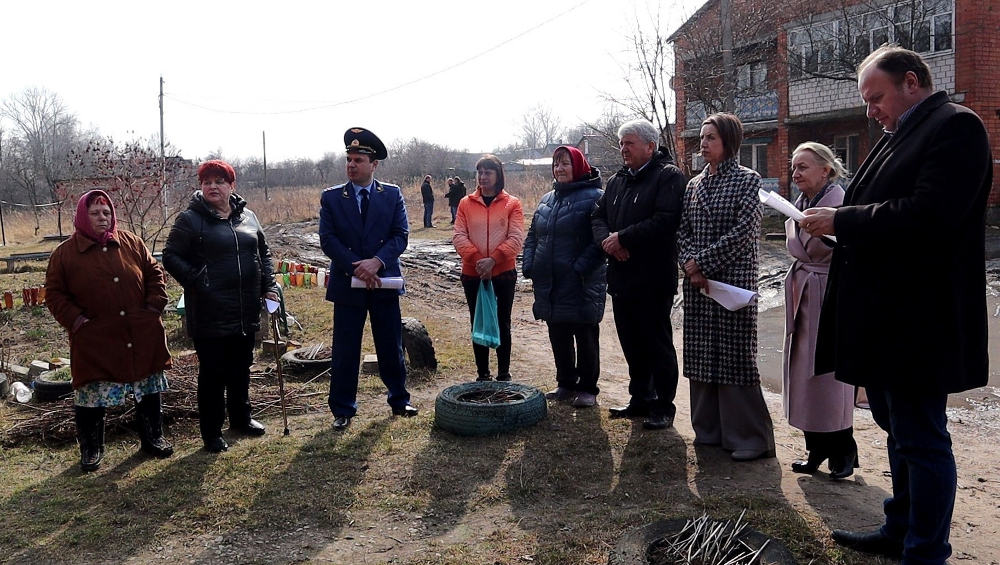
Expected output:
(581, 168)
(217, 167)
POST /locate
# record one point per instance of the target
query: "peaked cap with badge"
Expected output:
(360, 140)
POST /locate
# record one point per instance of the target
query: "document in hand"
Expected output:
(776, 201)
(731, 297)
(387, 283)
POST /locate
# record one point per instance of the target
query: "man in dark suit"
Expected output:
(363, 230)
(905, 308)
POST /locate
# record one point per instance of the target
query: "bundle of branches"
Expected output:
(54, 420)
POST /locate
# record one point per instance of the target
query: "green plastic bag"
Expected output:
(485, 324)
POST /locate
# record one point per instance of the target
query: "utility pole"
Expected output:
(163, 158)
(729, 74)
(263, 139)
(3, 233)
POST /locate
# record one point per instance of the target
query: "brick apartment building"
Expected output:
(794, 73)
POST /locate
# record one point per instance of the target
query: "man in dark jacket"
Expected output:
(456, 192)
(635, 222)
(427, 195)
(912, 223)
(363, 230)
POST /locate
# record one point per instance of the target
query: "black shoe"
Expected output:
(869, 542)
(843, 466)
(340, 423)
(216, 445)
(251, 428)
(743, 455)
(629, 411)
(505, 377)
(811, 463)
(405, 411)
(657, 422)
(486, 377)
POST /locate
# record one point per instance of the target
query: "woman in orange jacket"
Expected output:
(489, 233)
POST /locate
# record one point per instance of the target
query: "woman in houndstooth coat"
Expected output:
(718, 240)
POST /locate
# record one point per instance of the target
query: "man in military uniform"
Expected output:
(363, 229)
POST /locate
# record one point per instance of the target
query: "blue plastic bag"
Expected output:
(485, 324)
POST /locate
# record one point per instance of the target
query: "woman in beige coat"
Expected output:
(819, 405)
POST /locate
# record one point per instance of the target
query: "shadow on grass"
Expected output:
(301, 506)
(90, 517)
(455, 472)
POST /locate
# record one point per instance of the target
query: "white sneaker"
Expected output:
(585, 400)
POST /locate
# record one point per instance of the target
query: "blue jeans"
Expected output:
(428, 212)
(924, 477)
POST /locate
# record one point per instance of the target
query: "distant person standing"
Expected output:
(427, 194)
(911, 225)
(635, 223)
(456, 192)
(363, 230)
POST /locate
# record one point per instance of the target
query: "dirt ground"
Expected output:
(853, 503)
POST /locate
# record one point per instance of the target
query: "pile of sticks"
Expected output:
(53, 421)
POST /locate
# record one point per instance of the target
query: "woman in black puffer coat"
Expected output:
(216, 250)
(568, 271)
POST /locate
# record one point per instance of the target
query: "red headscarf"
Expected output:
(581, 168)
(82, 219)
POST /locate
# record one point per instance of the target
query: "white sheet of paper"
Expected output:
(387, 283)
(778, 202)
(272, 306)
(731, 297)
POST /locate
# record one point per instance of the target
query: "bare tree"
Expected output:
(540, 127)
(45, 132)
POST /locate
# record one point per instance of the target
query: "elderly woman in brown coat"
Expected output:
(107, 290)
(819, 405)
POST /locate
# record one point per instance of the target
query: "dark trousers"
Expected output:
(577, 368)
(924, 477)
(454, 210)
(387, 331)
(428, 212)
(643, 325)
(223, 382)
(840, 442)
(503, 288)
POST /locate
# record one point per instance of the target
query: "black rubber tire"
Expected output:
(474, 419)
(418, 345)
(633, 548)
(48, 391)
(293, 364)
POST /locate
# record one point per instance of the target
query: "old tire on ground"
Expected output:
(418, 345)
(296, 365)
(465, 418)
(634, 547)
(48, 390)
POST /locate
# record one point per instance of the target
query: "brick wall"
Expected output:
(977, 44)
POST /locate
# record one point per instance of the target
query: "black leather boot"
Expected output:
(843, 466)
(90, 434)
(151, 427)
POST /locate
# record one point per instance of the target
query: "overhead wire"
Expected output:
(385, 90)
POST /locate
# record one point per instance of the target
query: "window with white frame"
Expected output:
(754, 156)
(925, 26)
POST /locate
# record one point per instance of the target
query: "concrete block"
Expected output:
(369, 365)
(37, 367)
